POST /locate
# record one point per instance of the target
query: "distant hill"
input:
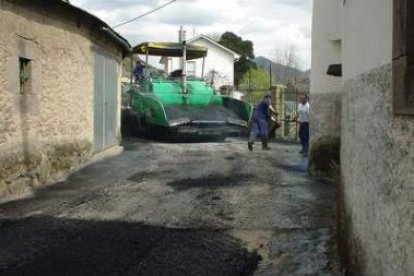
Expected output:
(284, 74)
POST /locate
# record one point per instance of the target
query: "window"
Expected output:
(191, 68)
(25, 75)
(403, 57)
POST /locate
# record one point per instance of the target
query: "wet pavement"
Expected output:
(176, 209)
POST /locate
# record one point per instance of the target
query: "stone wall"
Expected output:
(48, 130)
(377, 156)
(325, 129)
(375, 188)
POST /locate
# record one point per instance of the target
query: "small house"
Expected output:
(60, 76)
(218, 65)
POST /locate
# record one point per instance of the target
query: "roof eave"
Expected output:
(236, 56)
(103, 26)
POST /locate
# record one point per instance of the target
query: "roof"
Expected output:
(212, 41)
(103, 26)
(84, 17)
(169, 49)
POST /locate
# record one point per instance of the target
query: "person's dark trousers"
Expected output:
(259, 128)
(304, 136)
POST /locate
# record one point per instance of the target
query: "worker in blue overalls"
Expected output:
(260, 122)
(138, 71)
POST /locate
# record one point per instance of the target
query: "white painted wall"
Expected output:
(367, 36)
(326, 44)
(325, 92)
(217, 59)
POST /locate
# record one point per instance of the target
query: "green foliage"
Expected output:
(259, 83)
(237, 44)
(242, 47)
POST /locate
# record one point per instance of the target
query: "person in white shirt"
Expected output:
(302, 115)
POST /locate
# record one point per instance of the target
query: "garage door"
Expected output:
(105, 101)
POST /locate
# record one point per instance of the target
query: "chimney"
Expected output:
(182, 35)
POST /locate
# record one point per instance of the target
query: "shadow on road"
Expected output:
(51, 246)
(299, 167)
(213, 181)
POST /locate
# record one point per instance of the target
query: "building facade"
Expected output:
(219, 60)
(59, 91)
(376, 191)
(325, 90)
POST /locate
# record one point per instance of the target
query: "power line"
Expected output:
(145, 14)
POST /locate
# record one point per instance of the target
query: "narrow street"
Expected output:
(176, 209)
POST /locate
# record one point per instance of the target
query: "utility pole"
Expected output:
(250, 89)
(297, 104)
(270, 75)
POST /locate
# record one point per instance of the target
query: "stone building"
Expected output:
(370, 107)
(59, 90)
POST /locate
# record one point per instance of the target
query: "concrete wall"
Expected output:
(49, 130)
(377, 151)
(325, 94)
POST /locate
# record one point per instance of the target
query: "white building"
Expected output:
(368, 109)
(326, 89)
(219, 60)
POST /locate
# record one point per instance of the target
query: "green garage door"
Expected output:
(105, 101)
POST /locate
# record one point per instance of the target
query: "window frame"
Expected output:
(25, 75)
(192, 73)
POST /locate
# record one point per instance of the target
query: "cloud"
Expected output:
(304, 4)
(270, 24)
(111, 5)
(190, 13)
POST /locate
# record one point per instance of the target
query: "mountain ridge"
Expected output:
(283, 74)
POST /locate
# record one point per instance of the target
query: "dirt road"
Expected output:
(176, 209)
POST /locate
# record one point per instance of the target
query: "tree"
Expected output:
(288, 57)
(242, 47)
(259, 83)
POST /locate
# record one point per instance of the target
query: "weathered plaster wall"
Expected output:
(377, 168)
(377, 151)
(49, 130)
(367, 172)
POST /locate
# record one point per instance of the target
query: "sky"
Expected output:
(272, 25)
